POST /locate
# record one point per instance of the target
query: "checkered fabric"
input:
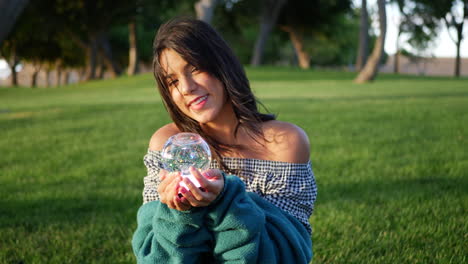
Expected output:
(289, 186)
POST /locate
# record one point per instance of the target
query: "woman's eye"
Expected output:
(173, 83)
(194, 69)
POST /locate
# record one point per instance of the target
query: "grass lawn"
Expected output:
(390, 159)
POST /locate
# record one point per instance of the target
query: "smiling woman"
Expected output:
(196, 93)
(259, 213)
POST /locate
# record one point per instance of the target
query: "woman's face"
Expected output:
(197, 94)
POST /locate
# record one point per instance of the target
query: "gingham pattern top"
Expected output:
(289, 186)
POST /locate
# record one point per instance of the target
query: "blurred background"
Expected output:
(57, 42)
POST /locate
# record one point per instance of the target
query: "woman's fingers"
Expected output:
(200, 178)
(168, 188)
(162, 178)
(181, 204)
(196, 192)
(214, 181)
(193, 201)
(212, 174)
(211, 183)
(162, 174)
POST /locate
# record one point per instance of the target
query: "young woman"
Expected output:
(255, 202)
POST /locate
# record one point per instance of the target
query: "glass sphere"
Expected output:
(184, 150)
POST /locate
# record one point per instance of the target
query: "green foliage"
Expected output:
(389, 157)
(312, 14)
(323, 22)
(149, 17)
(32, 38)
(66, 30)
(238, 24)
(417, 23)
(336, 43)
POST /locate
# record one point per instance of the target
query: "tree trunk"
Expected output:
(91, 60)
(58, 81)
(100, 68)
(458, 44)
(66, 80)
(36, 71)
(363, 48)
(34, 79)
(297, 39)
(11, 9)
(396, 63)
(205, 9)
(458, 60)
(133, 49)
(14, 75)
(369, 72)
(82, 73)
(105, 51)
(13, 63)
(270, 12)
(47, 73)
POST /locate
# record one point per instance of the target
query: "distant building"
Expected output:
(426, 66)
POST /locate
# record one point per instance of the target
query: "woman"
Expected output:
(259, 213)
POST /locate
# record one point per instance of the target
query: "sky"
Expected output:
(443, 45)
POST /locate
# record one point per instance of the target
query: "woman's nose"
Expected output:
(187, 85)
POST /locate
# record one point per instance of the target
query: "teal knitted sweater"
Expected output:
(239, 227)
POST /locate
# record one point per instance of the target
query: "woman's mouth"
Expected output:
(198, 103)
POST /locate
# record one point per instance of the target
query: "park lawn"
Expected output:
(390, 160)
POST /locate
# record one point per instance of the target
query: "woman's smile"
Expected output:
(198, 103)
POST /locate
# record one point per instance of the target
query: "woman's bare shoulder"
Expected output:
(287, 142)
(161, 135)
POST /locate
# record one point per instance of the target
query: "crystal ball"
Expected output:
(184, 150)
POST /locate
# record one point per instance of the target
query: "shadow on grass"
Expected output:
(69, 211)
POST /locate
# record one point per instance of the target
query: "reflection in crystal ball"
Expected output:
(184, 150)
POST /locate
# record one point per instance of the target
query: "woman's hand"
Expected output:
(169, 189)
(211, 185)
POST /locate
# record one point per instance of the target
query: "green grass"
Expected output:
(390, 159)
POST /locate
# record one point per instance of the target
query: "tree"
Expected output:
(133, 49)
(88, 22)
(363, 47)
(270, 10)
(32, 40)
(302, 19)
(416, 23)
(369, 72)
(9, 12)
(453, 13)
(8, 51)
(336, 44)
(456, 21)
(237, 21)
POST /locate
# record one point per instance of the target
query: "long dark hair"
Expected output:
(201, 46)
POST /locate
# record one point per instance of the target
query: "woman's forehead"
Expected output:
(171, 62)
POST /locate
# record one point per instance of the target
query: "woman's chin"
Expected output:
(202, 119)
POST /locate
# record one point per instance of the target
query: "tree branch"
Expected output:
(448, 25)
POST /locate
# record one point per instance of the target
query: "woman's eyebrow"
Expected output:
(169, 76)
(185, 67)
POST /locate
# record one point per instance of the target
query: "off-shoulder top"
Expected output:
(289, 186)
